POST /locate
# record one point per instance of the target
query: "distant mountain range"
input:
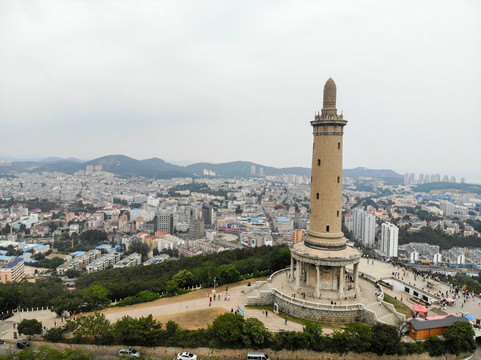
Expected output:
(158, 168)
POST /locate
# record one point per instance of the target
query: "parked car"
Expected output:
(186, 356)
(22, 344)
(257, 355)
(129, 353)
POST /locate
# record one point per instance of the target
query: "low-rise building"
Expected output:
(130, 260)
(103, 262)
(420, 329)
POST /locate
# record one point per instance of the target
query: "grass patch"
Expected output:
(193, 319)
(399, 306)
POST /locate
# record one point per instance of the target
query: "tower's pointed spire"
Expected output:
(329, 104)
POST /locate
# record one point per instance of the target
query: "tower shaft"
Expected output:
(326, 176)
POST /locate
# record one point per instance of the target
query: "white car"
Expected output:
(129, 353)
(186, 356)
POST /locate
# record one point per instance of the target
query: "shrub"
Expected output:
(434, 346)
(54, 334)
(228, 330)
(385, 339)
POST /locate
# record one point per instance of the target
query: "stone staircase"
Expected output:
(257, 288)
(382, 314)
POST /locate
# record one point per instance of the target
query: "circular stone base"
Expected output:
(343, 257)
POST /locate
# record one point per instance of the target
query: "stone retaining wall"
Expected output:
(326, 313)
(392, 309)
(368, 316)
(206, 353)
(319, 312)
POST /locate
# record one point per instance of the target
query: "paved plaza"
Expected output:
(381, 270)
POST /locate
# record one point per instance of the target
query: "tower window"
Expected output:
(318, 162)
(338, 179)
(327, 228)
(311, 178)
(339, 146)
(317, 196)
(337, 213)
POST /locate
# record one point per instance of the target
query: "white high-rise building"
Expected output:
(364, 226)
(412, 179)
(357, 222)
(348, 222)
(447, 208)
(368, 229)
(389, 239)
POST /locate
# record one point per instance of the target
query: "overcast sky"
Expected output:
(220, 81)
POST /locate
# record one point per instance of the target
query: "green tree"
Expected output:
(144, 331)
(340, 342)
(30, 327)
(139, 247)
(313, 338)
(459, 338)
(9, 296)
(54, 334)
(228, 329)
(184, 278)
(96, 296)
(359, 336)
(255, 334)
(48, 263)
(171, 329)
(92, 237)
(228, 274)
(385, 339)
(95, 326)
(291, 340)
(71, 273)
(434, 346)
(172, 288)
(69, 302)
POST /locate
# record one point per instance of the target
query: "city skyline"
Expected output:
(221, 82)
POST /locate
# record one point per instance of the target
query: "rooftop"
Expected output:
(12, 263)
(420, 324)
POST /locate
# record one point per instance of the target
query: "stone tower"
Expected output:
(326, 176)
(318, 264)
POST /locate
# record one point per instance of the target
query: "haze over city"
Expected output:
(222, 81)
